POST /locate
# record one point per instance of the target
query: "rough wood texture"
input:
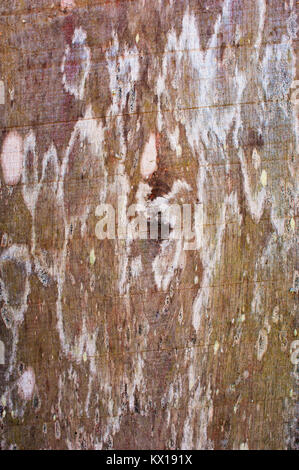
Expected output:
(142, 345)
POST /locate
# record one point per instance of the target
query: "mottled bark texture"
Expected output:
(141, 344)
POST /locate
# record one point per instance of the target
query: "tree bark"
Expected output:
(140, 343)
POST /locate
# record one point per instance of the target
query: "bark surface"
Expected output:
(141, 344)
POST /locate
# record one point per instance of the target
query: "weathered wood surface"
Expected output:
(112, 344)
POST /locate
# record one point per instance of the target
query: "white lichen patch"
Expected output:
(26, 384)
(136, 267)
(262, 343)
(75, 76)
(67, 5)
(206, 125)
(255, 199)
(2, 92)
(13, 312)
(148, 163)
(12, 158)
(244, 446)
(264, 178)
(2, 353)
(170, 258)
(92, 257)
(275, 314)
(256, 159)
(216, 347)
